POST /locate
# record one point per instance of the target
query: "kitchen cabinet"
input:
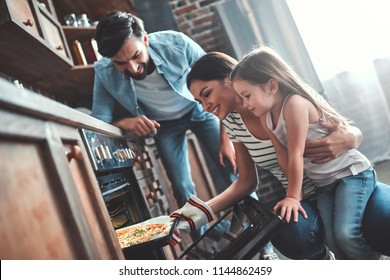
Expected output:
(50, 204)
(32, 43)
(35, 45)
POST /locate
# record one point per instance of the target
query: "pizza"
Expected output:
(138, 234)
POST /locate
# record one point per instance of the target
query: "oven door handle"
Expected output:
(116, 189)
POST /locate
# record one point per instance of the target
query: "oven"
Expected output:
(113, 161)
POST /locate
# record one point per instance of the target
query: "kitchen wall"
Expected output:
(199, 20)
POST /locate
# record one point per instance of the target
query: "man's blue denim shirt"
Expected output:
(173, 53)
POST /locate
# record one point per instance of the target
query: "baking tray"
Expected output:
(157, 241)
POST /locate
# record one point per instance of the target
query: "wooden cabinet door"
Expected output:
(86, 188)
(33, 213)
(51, 29)
(22, 13)
(33, 225)
(44, 214)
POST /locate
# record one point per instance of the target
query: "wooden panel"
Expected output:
(21, 12)
(37, 229)
(95, 9)
(94, 208)
(48, 5)
(71, 84)
(26, 56)
(79, 33)
(53, 35)
(51, 30)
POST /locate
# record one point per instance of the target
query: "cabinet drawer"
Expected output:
(21, 13)
(28, 54)
(51, 30)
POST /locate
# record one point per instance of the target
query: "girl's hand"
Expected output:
(288, 206)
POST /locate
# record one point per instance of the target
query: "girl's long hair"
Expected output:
(264, 63)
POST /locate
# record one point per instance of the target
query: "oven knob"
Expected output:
(116, 155)
(130, 153)
(101, 152)
(108, 153)
(122, 154)
(98, 155)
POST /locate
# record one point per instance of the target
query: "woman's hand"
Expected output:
(334, 145)
(288, 206)
(193, 215)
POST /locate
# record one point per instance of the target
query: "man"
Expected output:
(146, 74)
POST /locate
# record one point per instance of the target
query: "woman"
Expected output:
(210, 84)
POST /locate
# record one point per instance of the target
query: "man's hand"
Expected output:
(140, 126)
(334, 145)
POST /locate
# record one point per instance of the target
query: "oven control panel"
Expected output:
(107, 152)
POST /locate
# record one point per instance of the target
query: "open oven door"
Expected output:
(250, 227)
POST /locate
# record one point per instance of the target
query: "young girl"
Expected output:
(292, 112)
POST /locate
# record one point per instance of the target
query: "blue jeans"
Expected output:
(342, 205)
(376, 223)
(171, 142)
(303, 239)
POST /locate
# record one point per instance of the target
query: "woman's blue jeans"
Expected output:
(342, 205)
(376, 223)
(171, 141)
(306, 238)
(303, 239)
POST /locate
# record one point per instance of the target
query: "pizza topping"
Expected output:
(134, 235)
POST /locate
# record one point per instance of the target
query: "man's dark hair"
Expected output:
(114, 29)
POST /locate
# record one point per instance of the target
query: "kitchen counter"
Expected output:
(22, 100)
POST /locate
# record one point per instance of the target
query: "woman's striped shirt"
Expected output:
(261, 151)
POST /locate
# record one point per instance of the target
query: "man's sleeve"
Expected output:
(103, 103)
(193, 51)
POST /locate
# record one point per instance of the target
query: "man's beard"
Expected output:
(148, 69)
(140, 76)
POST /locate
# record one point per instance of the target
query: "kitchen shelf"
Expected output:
(79, 33)
(94, 9)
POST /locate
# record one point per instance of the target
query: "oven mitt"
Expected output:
(175, 239)
(193, 215)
